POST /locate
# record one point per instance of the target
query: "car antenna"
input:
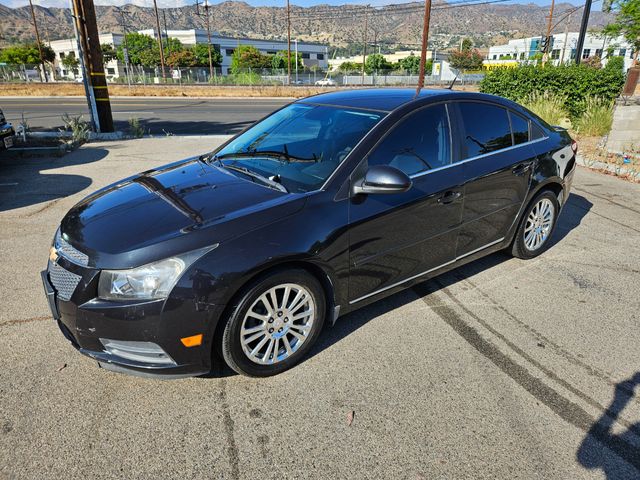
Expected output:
(450, 87)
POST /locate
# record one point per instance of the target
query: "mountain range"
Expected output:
(392, 25)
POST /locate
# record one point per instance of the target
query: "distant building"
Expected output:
(562, 49)
(312, 54)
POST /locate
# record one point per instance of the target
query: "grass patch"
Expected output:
(548, 106)
(596, 119)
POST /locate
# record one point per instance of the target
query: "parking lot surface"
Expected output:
(500, 369)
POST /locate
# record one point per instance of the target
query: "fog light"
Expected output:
(193, 341)
(144, 352)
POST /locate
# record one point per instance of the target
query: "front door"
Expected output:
(497, 173)
(395, 237)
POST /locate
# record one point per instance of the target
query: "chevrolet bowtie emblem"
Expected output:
(53, 254)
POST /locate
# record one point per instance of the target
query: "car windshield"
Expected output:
(297, 147)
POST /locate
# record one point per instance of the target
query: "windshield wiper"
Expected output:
(285, 155)
(268, 182)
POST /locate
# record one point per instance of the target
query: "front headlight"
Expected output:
(148, 282)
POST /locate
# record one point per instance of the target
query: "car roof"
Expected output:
(383, 99)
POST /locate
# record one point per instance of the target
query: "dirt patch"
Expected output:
(76, 89)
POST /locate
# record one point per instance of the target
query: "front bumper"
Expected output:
(105, 330)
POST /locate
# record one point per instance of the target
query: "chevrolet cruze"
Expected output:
(324, 206)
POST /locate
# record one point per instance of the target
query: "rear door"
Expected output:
(394, 237)
(498, 161)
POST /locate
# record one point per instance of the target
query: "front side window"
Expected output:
(299, 146)
(421, 142)
(486, 128)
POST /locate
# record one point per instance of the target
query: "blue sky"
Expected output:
(173, 3)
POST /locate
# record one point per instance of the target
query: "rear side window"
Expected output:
(421, 142)
(486, 128)
(536, 132)
(520, 128)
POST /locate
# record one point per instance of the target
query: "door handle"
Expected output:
(449, 197)
(521, 169)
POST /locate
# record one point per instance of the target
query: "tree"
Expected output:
(466, 45)
(376, 62)
(201, 54)
(466, 59)
(182, 59)
(142, 49)
(70, 62)
(27, 54)
(411, 64)
(108, 52)
(350, 67)
(247, 56)
(627, 23)
(279, 60)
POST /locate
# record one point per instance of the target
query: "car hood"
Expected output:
(169, 210)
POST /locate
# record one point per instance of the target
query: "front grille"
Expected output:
(63, 281)
(66, 250)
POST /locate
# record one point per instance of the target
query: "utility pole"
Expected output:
(364, 43)
(126, 46)
(166, 32)
(296, 40)
(583, 31)
(566, 39)
(35, 26)
(155, 6)
(206, 11)
(289, 43)
(89, 40)
(425, 41)
(545, 54)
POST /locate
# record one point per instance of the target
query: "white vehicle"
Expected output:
(326, 82)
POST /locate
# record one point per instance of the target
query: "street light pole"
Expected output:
(35, 26)
(364, 43)
(296, 40)
(155, 6)
(206, 11)
(289, 43)
(583, 31)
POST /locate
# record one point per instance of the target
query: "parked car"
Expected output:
(7, 133)
(328, 204)
(326, 82)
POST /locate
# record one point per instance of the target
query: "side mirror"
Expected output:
(382, 179)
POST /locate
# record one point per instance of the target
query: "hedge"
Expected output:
(573, 82)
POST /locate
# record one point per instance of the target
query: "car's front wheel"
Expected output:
(274, 324)
(537, 226)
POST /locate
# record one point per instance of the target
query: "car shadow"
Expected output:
(621, 457)
(25, 181)
(570, 218)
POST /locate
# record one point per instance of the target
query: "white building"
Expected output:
(69, 47)
(562, 49)
(312, 54)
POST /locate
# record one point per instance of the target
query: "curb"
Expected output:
(617, 170)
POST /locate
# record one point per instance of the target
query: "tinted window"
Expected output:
(486, 128)
(419, 143)
(520, 128)
(536, 132)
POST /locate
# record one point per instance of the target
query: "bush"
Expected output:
(615, 63)
(548, 106)
(597, 117)
(572, 82)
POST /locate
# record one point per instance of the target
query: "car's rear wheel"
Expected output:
(274, 324)
(536, 227)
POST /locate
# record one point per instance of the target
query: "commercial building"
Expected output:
(312, 54)
(562, 49)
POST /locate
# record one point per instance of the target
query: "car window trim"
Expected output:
(466, 160)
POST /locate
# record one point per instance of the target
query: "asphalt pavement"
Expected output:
(158, 115)
(500, 369)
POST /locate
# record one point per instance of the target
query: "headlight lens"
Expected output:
(148, 282)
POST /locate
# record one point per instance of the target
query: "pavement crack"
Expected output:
(569, 411)
(232, 447)
(10, 323)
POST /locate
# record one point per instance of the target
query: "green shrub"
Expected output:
(572, 82)
(548, 106)
(615, 63)
(597, 117)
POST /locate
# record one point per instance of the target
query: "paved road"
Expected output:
(501, 369)
(180, 116)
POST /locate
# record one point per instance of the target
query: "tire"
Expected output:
(536, 226)
(256, 326)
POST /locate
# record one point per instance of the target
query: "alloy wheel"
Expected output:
(277, 324)
(539, 224)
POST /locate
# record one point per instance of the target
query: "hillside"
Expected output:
(339, 26)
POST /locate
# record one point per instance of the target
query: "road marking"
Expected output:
(134, 111)
(8, 184)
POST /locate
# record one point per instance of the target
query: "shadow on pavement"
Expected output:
(622, 452)
(24, 181)
(159, 127)
(571, 216)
